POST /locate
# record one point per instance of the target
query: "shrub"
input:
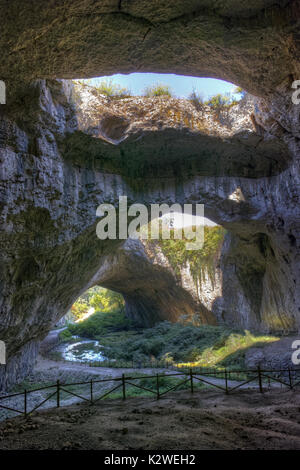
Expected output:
(99, 298)
(204, 345)
(239, 91)
(158, 90)
(101, 323)
(221, 102)
(197, 100)
(105, 87)
(112, 90)
(65, 335)
(218, 101)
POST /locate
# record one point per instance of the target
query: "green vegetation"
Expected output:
(28, 384)
(109, 316)
(197, 100)
(183, 344)
(239, 91)
(106, 299)
(201, 261)
(66, 335)
(165, 383)
(217, 102)
(158, 90)
(101, 323)
(99, 298)
(221, 102)
(112, 90)
(108, 88)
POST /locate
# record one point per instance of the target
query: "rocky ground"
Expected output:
(206, 420)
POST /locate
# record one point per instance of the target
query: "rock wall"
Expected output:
(254, 44)
(52, 176)
(48, 199)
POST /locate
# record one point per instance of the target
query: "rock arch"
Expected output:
(48, 198)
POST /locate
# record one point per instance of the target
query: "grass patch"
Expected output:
(101, 323)
(180, 344)
(158, 90)
(108, 88)
(184, 345)
(228, 351)
(165, 383)
(29, 385)
(197, 100)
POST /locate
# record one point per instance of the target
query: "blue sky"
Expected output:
(181, 85)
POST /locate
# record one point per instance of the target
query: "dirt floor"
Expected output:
(181, 421)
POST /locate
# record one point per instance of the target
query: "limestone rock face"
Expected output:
(251, 43)
(53, 175)
(152, 293)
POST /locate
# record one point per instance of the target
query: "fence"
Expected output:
(221, 380)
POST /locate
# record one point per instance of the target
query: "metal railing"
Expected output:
(261, 379)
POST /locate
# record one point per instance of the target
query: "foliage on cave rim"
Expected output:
(201, 262)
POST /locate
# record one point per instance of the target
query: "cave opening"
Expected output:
(151, 295)
(160, 84)
(97, 333)
(132, 325)
(190, 126)
(97, 158)
(229, 310)
(153, 306)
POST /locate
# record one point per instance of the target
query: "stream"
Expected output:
(84, 350)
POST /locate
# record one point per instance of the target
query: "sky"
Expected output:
(187, 220)
(181, 85)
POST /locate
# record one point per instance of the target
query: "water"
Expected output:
(83, 351)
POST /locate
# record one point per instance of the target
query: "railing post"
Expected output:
(91, 388)
(123, 386)
(25, 403)
(157, 387)
(290, 379)
(226, 382)
(259, 379)
(192, 383)
(57, 394)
